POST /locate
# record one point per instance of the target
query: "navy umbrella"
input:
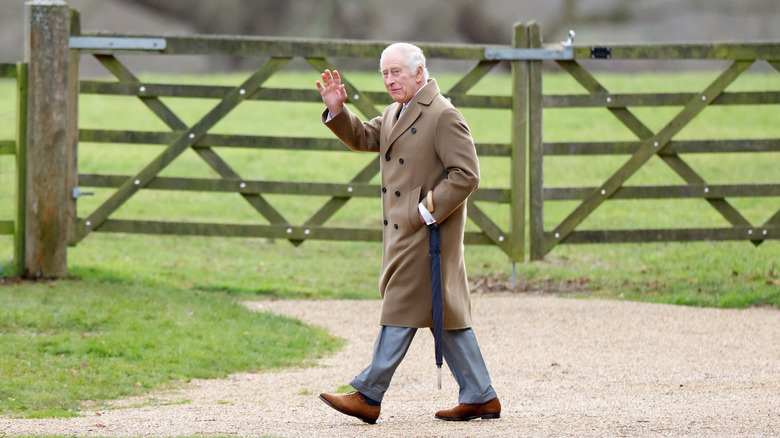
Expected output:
(437, 300)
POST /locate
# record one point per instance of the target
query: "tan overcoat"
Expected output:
(428, 148)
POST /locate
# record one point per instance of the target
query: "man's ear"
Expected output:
(419, 76)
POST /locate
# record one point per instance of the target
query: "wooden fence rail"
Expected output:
(649, 144)
(525, 102)
(17, 147)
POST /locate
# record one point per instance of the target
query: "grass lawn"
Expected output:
(143, 312)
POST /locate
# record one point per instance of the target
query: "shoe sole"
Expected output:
(471, 417)
(364, 419)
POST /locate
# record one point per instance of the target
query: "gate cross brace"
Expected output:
(652, 144)
(643, 132)
(209, 156)
(187, 139)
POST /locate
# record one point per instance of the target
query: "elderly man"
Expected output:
(425, 147)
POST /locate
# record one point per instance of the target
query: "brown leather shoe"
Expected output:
(465, 412)
(352, 404)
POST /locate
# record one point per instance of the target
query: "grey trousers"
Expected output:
(461, 352)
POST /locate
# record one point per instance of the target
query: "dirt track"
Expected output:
(561, 367)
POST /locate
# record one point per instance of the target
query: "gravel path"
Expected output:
(561, 367)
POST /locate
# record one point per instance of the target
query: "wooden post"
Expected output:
(519, 145)
(73, 131)
(47, 54)
(536, 151)
(21, 166)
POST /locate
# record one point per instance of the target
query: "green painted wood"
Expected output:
(7, 228)
(269, 94)
(71, 181)
(518, 171)
(471, 78)
(7, 147)
(673, 148)
(158, 108)
(8, 70)
(491, 230)
(536, 151)
(186, 140)
(265, 231)
(703, 191)
(334, 204)
(250, 141)
(747, 233)
(723, 51)
(20, 220)
(584, 78)
(646, 151)
(212, 159)
(299, 47)
(660, 99)
(368, 108)
(674, 161)
(347, 190)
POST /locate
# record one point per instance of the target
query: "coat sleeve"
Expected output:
(456, 150)
(353, 132)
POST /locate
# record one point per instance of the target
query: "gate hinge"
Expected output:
(116, 43)
(563, 51)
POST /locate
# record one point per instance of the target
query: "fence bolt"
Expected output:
(192, 135)
(764, 232)
(137, 182)
(306, 231)
(349, 189)
(706, 190)
(500, 238)
(557, 235)
(289, 230)
(750, 231)
(655, 144)
(609, 99)
(142, 89)
(88, 223)
(242, 91)
(603, 192)
(242, 185)
(356, 97)
(704, 98)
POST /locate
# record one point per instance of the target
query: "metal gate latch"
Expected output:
(77, 193)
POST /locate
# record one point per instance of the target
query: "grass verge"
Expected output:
(67, 341)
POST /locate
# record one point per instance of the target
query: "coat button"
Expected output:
(387, 157)
(397, 194)
(395, 226)
(385, 222)
(384, 189)
(401, 160)
(414, 130)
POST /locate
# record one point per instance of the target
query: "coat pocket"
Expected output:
(413, 213)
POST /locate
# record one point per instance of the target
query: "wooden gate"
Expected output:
(649, 144)
(13, 223)
(201, 138)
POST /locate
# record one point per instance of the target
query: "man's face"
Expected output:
(400, 83)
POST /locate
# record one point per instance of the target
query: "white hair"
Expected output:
(413, 57)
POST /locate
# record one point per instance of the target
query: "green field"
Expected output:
(174, 275)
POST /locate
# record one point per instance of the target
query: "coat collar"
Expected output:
(424, 97)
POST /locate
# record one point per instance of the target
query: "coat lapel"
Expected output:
(413, 111)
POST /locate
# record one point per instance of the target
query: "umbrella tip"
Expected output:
(439, 377)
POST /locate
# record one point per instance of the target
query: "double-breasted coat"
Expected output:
(428, 148)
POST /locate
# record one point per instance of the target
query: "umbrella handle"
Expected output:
(430, 200)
